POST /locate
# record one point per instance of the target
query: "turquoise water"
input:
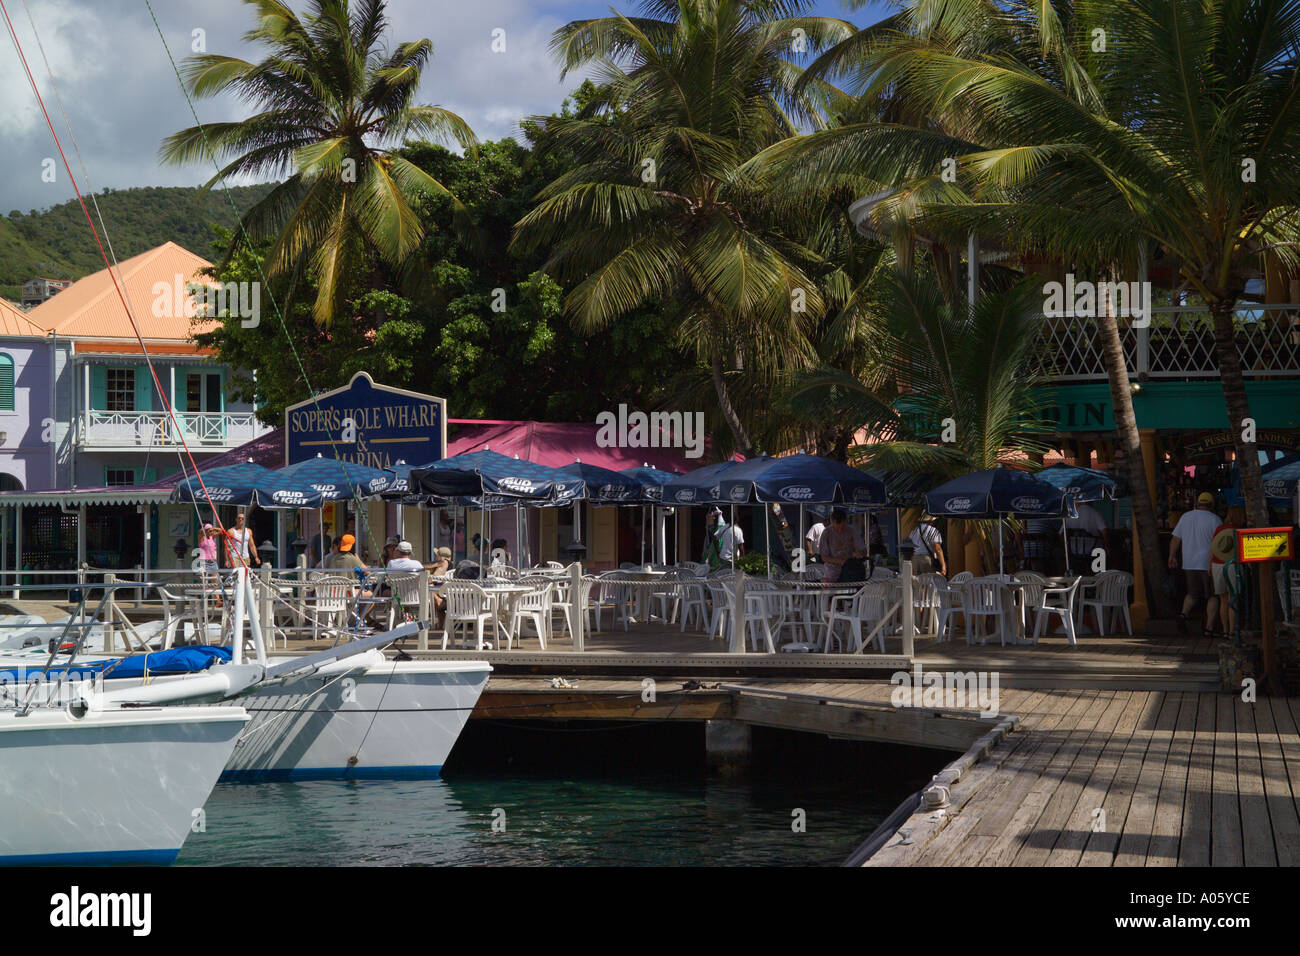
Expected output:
(566, 804)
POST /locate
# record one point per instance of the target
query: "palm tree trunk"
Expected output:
(743, 444)
(1144, 515)
(1234, 397)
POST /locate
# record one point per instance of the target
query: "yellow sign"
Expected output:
(1264, 544)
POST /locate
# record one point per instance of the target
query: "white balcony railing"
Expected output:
(1178, 344)
(145, 430)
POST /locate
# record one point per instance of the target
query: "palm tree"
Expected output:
(656, 211)
(334, 108)
(1090, 131)
(946, 388)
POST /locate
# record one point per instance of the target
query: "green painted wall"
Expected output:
(1175, 405)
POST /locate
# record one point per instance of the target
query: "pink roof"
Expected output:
(556, 444)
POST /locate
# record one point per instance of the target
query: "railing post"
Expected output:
(425, 610)
(579, 607)
(110, 606)
(909, 611)
(738, 614)
(265, 606)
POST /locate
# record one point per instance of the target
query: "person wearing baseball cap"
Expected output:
(344, 557)
(402, 560)
(1193, 534)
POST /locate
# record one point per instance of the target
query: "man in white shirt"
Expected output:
(731, 544)
(927, 549)
(240, 542)
(1193, 534)
(403, 560)
(813, 541)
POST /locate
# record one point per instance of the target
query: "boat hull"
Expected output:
(111, 786)
(387, 720)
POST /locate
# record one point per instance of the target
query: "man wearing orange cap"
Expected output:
(343, 557)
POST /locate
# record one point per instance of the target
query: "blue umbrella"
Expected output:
(316, 481)
(652, 481)
(229, 484)
(1084, 484)
(697, 487)
(799, 479)
(603, 485)
(491, 473)
(997, 492)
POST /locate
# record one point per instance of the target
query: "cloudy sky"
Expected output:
(115, 82)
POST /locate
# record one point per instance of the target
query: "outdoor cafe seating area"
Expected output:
(489, 604)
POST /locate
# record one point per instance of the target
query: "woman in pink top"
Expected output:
(208, 548)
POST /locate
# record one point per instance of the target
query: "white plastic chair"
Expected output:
(1109, 599)
(984, 598)
(405, 588)
(866, 606)
(1058, 601)
(467, 604)
(329, 607)
(951, 602)
(535, 606)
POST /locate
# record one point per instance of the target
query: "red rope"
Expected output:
(167, 405)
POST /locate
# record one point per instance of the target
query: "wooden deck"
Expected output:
(1090, 777)
(1122, 778)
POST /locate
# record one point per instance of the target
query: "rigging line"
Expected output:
(104, 255)
(85, 173)
(239, 220)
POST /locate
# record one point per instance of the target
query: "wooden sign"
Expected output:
(1265, 544)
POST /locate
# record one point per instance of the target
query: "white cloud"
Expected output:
(123, 99)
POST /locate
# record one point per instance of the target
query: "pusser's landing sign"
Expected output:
(373, 425)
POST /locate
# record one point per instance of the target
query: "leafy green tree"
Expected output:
(655, 210)
(335, 108)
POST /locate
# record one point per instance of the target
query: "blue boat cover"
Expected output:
(175, 660)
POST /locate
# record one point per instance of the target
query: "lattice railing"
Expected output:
(1179, 343)
(155, 429)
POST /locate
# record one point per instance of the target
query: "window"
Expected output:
(120, 476)
(203, 392)
(120, 390)
(6, 383)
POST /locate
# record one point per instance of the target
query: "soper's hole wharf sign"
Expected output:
(373, 425)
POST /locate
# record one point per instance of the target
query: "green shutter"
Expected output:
(98, 387)
(6, 383)
(143, 389)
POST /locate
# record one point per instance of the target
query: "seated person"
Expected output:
(343, 557)
(402, 560)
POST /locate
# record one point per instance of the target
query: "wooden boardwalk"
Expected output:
(1091, 777)
(1123, 778)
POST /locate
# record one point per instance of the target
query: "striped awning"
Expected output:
(121, 495)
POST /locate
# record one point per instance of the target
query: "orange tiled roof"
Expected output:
(15, 322)
(91, 308)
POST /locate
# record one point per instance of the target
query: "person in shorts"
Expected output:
(1223, 546)
(1192, 535)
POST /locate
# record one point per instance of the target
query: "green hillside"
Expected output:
(57, 242)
